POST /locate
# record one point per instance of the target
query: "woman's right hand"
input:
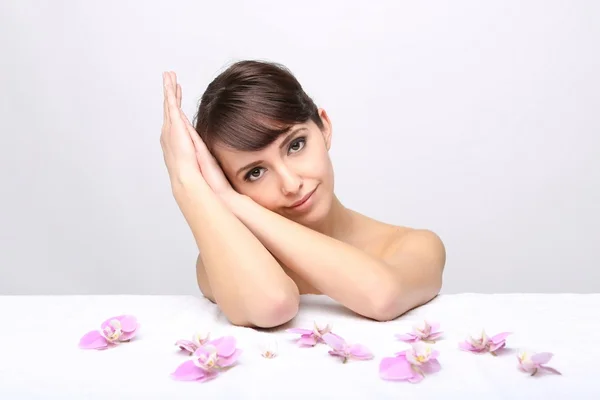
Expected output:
(178, 149)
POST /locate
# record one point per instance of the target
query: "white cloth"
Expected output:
(40, 358)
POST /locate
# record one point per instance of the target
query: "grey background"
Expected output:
(478, 120)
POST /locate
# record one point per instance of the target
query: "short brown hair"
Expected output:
(250, 104)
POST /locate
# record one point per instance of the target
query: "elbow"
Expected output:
(386, 305)
(391, 303)
(271, 311)
(277, 312)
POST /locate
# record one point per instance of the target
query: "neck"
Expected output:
(338, 222)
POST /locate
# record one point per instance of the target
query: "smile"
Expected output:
(303, 201)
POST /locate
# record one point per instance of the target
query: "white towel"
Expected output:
(39, 356)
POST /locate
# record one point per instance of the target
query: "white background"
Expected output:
(478, 120)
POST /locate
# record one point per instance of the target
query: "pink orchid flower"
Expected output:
(209, 360)
(484, 343)
(112, 332)
(424, 331)
(199, 339)
(308, 337)
(532, 363)
(339, 348)
(410, 365)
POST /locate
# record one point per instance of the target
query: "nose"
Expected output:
(291, 183)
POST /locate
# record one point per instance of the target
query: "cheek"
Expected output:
(323, 169)
(264, 194)
(317, 165)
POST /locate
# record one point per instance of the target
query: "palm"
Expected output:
(187, 143)
(211, 171)
(177, 145)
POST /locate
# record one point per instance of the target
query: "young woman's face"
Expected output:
(292, 177)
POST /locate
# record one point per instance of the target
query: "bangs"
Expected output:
(247, 129)
(250, 105)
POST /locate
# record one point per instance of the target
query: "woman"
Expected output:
(255, 183)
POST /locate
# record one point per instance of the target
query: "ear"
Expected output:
(327, 129)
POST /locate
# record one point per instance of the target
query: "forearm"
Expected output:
(247, 282)
(350, 276)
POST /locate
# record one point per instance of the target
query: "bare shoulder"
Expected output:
(423, 244)
(392, 241)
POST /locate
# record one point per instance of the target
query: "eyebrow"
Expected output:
(285, 141)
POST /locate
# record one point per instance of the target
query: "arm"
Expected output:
(235, 269)
(409, 275)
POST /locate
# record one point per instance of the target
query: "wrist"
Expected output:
(184, 185)
(234, 201)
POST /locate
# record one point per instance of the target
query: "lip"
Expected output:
(303, 199)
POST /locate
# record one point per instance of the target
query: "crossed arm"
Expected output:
(408, 275)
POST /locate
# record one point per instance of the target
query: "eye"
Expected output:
(254, 174)
(297, 145)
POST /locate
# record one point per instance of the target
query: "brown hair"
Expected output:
(250, 104)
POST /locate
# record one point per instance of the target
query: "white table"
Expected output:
(39, 356)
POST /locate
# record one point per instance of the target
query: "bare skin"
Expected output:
(259, 249)
(369, 235)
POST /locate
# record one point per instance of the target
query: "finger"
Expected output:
(174, 111)
(173, 81)
(166, 118)
(176, 87)
(196, 139)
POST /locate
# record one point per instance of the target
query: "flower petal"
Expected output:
(527, 367)
(334, 341)
(306, 340)
(360, 352)
(225, 345)
(435, 326)
(431, 366)
(466, 346)
(205, 351)
(416, 378)
(107, 323)
(499, 337)
(186, 345)
(435, 336)
(408, 337)
(128, 323)
(541, 358)
(337, 353)
(125, 336)
(208, 375)
(93, 340)
(550, 369)
(188, 372)
(395, 369)
(337, 336)
(227, 361)
(497, 346)
(411, 357)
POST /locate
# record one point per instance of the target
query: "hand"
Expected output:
(210, 168)
(204, 161)
(175, 139)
